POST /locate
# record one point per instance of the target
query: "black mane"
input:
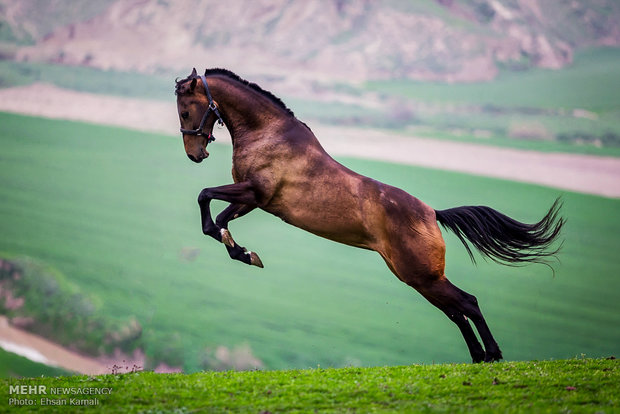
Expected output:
(233, 76)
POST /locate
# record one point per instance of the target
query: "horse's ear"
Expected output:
(192, 85)
(194, 73)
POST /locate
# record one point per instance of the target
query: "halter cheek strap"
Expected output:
(211, 108)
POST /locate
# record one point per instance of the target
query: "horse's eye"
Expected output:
(185, 115)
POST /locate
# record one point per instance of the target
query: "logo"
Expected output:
(34, 395)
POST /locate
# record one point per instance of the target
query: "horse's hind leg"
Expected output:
(475, 349)
(413, 248)
(493, 353)
(459, 305)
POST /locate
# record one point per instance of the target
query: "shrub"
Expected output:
(40, 300)
(239, 358)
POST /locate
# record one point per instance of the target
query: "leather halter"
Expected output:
(211, 108)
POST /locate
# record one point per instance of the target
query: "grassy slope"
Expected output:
(585, 84)
(12, 365)
(115, 210)
(578, 385)
(85, 79)
(519, 100)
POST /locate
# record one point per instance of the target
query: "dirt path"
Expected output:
(573, 172)
(41, 350)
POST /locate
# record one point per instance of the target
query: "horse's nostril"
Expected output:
(191, 157)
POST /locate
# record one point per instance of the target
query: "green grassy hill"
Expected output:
(576, 385)
(115, 212)
(15, 366)
(569, 110)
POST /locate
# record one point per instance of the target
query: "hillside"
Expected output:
(577, 385)
(121, 225)
(339, 40)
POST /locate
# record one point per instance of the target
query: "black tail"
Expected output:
(502, 239)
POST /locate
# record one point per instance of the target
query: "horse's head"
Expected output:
(197, 113)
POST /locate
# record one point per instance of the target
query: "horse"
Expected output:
(279, 166)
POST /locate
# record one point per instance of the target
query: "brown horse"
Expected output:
(279, 166)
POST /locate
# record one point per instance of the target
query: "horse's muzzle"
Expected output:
(198, 159)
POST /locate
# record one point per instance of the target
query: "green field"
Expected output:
(115, 212)
(565, 386)
(576, 109)
(586, 84)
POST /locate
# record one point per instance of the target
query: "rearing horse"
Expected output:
(279, 166)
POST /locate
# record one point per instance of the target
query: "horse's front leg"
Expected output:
(232, 212)
(243, 200)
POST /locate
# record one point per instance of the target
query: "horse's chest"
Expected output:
(241, 170)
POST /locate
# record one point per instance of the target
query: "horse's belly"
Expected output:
(339, 225)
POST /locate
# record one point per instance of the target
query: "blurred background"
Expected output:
(507, 103)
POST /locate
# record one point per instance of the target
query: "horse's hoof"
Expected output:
(227, 238)
(255, 260)
(495, 356)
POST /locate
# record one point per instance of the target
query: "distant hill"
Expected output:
(334, 40)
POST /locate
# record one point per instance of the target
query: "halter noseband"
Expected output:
(211, 108)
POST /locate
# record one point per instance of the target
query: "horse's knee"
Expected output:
(212, 231)
(471, 300)
(204, 196)
(470, 305)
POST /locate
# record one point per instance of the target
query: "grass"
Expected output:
(15, 366)
(84, 79)
(570, 110)
(585, 84)
(115, 212)
(576, 385)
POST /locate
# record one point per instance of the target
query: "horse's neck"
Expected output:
(245, 111)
